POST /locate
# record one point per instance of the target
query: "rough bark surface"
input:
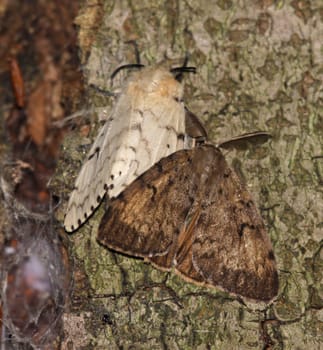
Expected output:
(259, 68)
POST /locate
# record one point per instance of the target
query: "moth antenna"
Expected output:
(126, 66)
(178, 71)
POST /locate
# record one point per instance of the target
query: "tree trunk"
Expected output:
(259, 67)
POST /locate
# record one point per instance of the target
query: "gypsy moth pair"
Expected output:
(176, 208)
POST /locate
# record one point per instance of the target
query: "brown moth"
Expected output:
(192, 213)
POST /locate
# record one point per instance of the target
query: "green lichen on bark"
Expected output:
(259, 68)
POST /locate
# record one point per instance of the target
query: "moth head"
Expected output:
(168, 82)
(164, 84)
(158, 81)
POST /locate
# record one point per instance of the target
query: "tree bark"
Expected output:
(259, 67)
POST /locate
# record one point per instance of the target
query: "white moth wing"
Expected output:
(147, 124)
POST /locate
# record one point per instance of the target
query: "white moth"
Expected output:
(146, 124)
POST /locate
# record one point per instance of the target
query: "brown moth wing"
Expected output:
(231, 247)
(223, 242)
(257, 137)
(191, 211)
(193, 126)
(145, 219)
(180, 255)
